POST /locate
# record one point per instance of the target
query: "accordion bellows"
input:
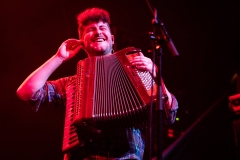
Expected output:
(110, 95)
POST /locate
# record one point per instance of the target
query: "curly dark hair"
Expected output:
(91, 15)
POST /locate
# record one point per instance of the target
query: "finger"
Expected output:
(141, 62)
(77, 45)
(137, 59)
(140, 54)
(72, 45)
(71, 40)
(141, 67)
(137, 63)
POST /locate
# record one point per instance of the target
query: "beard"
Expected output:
(98, 50)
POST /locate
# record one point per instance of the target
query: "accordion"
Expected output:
(108, 96)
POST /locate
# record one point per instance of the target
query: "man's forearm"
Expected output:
(37, 79)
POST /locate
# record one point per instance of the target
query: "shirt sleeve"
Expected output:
(51, 94)
(171, 111)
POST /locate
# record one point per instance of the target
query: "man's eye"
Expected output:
(90, 30)
(103, 28)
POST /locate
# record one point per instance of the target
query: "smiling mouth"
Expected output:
(99, 40)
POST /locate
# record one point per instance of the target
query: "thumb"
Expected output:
(140, 54)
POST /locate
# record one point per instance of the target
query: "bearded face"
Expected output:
(97, 39)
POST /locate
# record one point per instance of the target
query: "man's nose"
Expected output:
(98, 31)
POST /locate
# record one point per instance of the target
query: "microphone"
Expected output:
(168, 40)
(164, 32)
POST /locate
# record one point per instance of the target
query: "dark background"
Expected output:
(205, 33)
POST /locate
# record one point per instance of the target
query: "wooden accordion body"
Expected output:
(110, 95)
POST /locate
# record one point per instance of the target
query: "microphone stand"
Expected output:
(159, 36)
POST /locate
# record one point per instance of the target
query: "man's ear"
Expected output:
(113, 39)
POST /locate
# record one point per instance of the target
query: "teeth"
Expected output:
(99, 40)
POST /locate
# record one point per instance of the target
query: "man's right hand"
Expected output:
(38, 78)
(69, 49)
